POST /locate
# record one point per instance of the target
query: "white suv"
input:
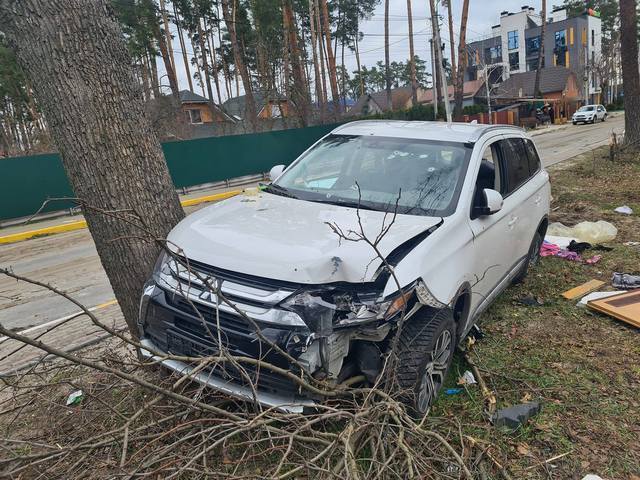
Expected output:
(589, 114)
(295, 285)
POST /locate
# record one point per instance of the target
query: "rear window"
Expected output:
(516, 161)
(534, 159)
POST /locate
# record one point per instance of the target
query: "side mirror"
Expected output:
(275, 172)
(490, 202)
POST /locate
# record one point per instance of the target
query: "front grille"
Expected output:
(268, 284)
(181, 343)
(227, 321)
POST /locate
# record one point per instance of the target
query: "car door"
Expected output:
(493, 247)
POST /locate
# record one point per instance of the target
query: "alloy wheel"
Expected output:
(435, 371)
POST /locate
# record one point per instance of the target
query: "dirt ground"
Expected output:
(583, 367)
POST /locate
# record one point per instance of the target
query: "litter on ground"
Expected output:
(624, 209)
(75, 397)
(597, 296)
(592, 232)
(513, 417)
(583, 289)
(625, 281)
(467, 378)
(625, 307)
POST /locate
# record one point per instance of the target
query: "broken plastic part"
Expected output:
(426, 297)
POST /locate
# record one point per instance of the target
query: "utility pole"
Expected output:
(434, 77)
(438, 49)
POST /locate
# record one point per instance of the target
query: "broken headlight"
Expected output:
(323, 309)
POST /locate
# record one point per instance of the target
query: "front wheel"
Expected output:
(604, 118)
(425, 351)
(575, 123)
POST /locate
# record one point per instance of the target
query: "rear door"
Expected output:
(525, 183)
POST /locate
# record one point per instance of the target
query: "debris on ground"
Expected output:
(578, 247)
(592, 232)
(551, 250)
(591, 476)
(627, 210)
(453, 391)
(625, 307)
(631, 244)
(597, 296)
(625, 281)
(593, 260)
(75, 398)
(516, 415)
(467, 378)
(583, 289)
(562, 242)
(531, 301)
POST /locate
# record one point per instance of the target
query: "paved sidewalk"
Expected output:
(191, 202)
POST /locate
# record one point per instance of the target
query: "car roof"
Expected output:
(447, 132)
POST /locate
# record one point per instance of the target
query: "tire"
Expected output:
(533, 257)
(425, 351)
(604, 119)
(575, 123)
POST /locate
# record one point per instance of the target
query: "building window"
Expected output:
(275, 111)
(493, 54)
(513, 39)
(593, 38)
(194, 116)
(533, 45)
(473, 57)
(561, 39)
(532, 65)
(514, 61)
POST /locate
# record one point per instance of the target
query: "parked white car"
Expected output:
(471, 202)
(589, 114)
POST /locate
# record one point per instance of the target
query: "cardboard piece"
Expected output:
(583, 289)
(625, 307)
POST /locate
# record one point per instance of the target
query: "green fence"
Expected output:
(26, 182)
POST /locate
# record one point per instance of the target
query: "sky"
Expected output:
(482, 15)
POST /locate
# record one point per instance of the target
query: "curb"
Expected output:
(80, 224)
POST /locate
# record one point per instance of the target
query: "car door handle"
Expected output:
(512, 222)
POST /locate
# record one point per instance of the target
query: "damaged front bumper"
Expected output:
(180, 316)
(283, 402)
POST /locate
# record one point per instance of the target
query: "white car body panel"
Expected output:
(287, 239)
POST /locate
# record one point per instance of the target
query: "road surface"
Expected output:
(70, 262)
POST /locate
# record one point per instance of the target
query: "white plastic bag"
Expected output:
(592, 232)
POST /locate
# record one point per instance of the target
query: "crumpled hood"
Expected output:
(271, 236)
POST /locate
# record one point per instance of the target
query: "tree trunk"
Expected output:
(300, 95)
(214, 66)
(322, 56)
(153, 67)
(331, 59)
(358, 64)
(183, 49)
(412, 58)
(167, 36)
(462, 60)
(540, 66)
(316, 69)
(109, 151)
(166, 59)
(630, 73)
(205, 62)
(387, 66)
(238, 55)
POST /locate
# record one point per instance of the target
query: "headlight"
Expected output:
(323, 309)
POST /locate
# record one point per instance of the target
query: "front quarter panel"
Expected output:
(441, 260)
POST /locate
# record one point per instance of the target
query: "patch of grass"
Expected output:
(583, 366)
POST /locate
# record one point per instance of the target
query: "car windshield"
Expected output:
(587, 108)
(423, 177)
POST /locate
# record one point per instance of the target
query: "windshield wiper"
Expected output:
(277, 190)
(348, 204)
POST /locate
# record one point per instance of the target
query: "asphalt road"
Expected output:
(561, 143)
(70, 262)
